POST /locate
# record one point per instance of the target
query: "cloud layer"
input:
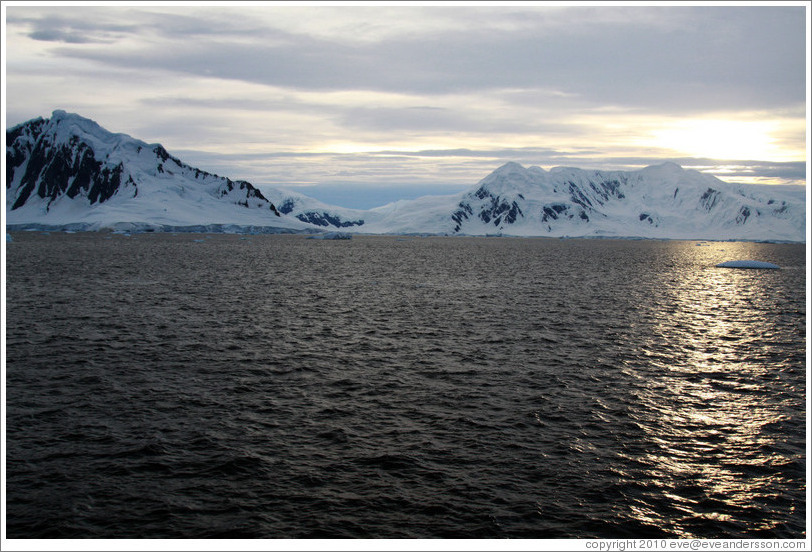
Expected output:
(420, 95)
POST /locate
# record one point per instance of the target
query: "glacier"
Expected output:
(67, 172)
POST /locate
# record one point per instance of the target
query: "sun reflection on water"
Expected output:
(704, 405)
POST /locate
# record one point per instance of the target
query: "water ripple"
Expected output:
(377, 388)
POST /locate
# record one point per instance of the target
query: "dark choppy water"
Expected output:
(159, 386)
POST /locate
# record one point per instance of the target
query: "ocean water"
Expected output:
(224, 386)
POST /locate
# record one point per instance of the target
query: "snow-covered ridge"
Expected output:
(317, 213)
(661, 201)
(69, 171)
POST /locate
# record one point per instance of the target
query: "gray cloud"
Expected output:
(71, 28)
(727, 58)
(55, 35)
(441, 121)
(382, 120)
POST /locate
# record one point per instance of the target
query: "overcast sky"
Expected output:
(364, 104)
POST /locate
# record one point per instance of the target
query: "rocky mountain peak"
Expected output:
(71, 158)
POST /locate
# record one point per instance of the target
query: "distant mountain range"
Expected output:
(69, 172)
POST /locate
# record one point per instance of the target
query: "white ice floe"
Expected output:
(747, 264)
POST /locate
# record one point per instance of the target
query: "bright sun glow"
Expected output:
(720, 139)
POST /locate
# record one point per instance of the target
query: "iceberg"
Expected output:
(747, 264)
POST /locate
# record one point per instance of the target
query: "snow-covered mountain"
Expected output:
(68, 170)
(322, 215)
(661, 201)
